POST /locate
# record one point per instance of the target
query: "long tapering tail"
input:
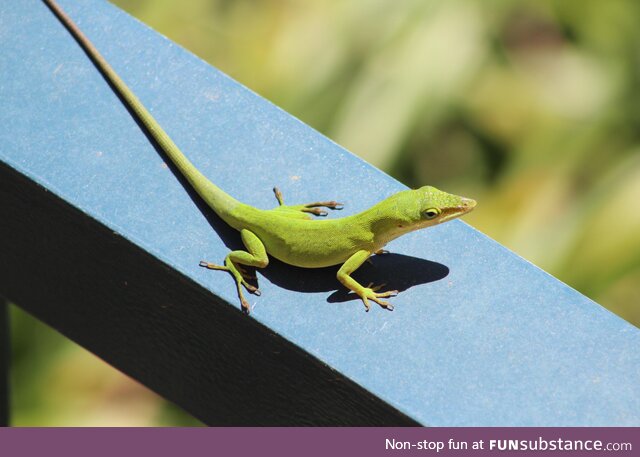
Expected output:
(219, 200)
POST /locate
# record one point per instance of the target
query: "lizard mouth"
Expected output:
(465, 206)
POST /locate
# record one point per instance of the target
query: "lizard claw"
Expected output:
(253, 290)
(385, 304)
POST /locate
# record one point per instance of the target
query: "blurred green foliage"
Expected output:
(532, 107)
(56, 383)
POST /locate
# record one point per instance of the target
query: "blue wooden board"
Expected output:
(479, 336)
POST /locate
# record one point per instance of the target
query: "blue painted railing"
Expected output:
(101, 240)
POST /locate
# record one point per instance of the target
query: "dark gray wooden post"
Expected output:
(4, 363)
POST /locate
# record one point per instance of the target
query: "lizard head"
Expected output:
(435, 206)
(411, 210)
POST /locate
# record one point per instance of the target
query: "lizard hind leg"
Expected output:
(255, 256)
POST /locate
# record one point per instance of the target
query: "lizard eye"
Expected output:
(431, 213)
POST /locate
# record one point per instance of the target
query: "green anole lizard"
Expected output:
(287, 232)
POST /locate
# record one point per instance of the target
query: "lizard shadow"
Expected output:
(396, 271)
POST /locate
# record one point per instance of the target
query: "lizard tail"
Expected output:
(219, 200)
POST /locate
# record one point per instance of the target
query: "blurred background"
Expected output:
(532, 107)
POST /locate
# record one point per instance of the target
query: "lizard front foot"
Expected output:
(369, 293)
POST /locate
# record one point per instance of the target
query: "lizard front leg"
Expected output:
(256, 257)
(365, 293)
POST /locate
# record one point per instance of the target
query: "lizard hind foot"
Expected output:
(246, 308)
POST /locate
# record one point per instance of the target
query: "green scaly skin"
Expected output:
(289, 233)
